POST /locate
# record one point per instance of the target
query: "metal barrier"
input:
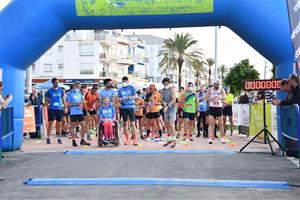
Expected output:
(290, 128)
(6, 128)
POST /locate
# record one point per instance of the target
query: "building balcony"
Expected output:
(109, 75)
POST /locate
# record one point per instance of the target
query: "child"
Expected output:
(107, 115)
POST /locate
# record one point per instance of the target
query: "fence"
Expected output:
(6, 129)
(290, 129)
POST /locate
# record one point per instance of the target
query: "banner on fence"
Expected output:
(257, 118)
(29, 120)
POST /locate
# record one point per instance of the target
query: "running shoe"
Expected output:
(223, 141)
(198, 135)
(166, 144)
(178, 135)
(83, 142)
(210, 141)
(173, 145)
(191, 139)
(74, 144)
(59, 141)
(148, 139)
(48, 141)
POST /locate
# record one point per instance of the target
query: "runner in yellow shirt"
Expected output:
(227, 110)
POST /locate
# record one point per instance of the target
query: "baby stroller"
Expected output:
(101, 136)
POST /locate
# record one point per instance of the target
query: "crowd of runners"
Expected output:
(146, 113)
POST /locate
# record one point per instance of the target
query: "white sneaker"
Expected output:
(210, 141)
(223, 141)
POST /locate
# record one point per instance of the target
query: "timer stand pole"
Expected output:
(265, 131)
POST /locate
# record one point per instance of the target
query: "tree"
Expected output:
(177, 51)
(210, 62)
(222, 70)
(238, 74)
(199, 71)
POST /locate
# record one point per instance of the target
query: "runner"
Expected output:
(202, 114)
(215, 97)
(86, 114)
(107, 91)
(190, 106)
(180, 120)
(107, 115)
(153, 102)
(227, 110)
(127, 96)
(169, 111)
(91, 99)
(55, 102)
(75, 102)
(139, 113)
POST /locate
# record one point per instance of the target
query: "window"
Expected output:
(60, 66)
(86, 49)
(60, 48)
(86, 69)
(48, 68)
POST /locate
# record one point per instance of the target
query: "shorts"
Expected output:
(227, 111)
(180, 113)
(93, 112)
(170, 115)
(77, 118)
(215, 111)
(55, 115)
(128, 112)
(190, 116)
(139, 117)
(153, 115)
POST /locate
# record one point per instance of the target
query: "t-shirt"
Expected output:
(203, 106)
(189, 105)
(107, 112)
(154, 102)
(75, 97)
(110, 93)
(56, 98)
(124, 92)
(229, 99)
(91, 100)
(215, 98)
(139, 107)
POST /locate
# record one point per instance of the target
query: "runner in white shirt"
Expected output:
(215, 97)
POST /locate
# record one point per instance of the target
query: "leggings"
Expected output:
(108, 129)
(205, 126)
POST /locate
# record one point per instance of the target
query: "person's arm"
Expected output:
(197, 103)
(207, 95)
(293, 100)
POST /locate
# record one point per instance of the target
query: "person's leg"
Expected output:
(49, 127)
(221, 126)
(198, 125)
(106, 129)
(224, 122)
(158, 126)
(140, 122)
(73, 125)
(211, 127)
(231, 124)
(204, 124)
(110, 130)
(186, 128)
(131, 113)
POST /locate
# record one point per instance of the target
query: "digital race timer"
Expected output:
(273, 84)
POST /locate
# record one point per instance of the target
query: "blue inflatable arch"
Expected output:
(29, 27)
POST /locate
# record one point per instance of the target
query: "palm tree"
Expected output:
(222, 70)
(177, 51)
(199, 71)
(210, 62)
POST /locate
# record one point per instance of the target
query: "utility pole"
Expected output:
(216, 53)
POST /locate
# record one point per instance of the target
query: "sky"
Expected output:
(231, 48)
